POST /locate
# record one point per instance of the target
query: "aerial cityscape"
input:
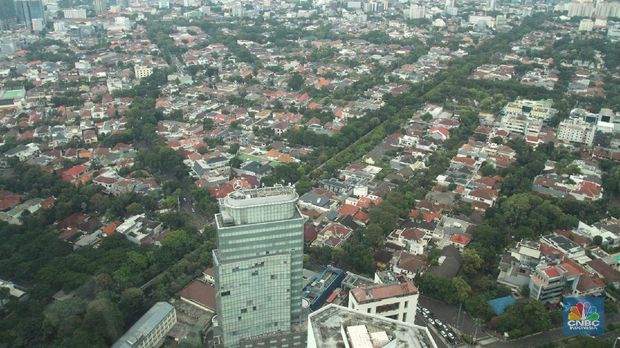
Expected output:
(309, 173)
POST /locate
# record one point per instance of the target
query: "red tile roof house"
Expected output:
(439, 133)
(460, 241)
(110, 229)
(73, 174)
(348, 209)
(8, 200)
(410, 264)
(412, 239)
(333, 235)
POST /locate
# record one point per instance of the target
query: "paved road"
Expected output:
(419, 320)
(197, 217)
(531, 341)
(538, 339)
(448, 314)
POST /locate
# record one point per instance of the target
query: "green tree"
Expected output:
(296, 82)
(375, 236)
(134, 209)
(208, 124)
(233, 149)
(597, 240)
(471, 262)
(104, 319)
(526, 318)
(132, 304)
(235, 162)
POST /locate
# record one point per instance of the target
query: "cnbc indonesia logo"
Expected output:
(584, 316)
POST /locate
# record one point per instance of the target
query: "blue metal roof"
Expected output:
(500, 304)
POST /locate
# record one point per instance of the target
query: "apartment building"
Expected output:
(394, 301)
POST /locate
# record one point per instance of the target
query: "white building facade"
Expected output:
(394, 301)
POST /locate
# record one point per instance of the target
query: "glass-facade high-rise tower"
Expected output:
(258, 263)
(31, 13)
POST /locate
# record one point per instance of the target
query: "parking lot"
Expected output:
(438, 328)
(448, 315)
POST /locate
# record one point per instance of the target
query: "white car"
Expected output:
(431, 321)
(439, 323)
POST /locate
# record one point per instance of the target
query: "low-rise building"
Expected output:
(547, 285)
(151, 329)
(576, 131)
(394, 301)
(142, 71)
(516, 266)
(521, 124)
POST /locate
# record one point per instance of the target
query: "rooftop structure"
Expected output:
(269, 204)
(322, 286)
(335, 326)
(381, 292)
(397, 301)
(352, 280)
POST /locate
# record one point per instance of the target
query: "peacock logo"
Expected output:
(584, 315)
(583, 311)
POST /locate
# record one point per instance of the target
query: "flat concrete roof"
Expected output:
(328, 323)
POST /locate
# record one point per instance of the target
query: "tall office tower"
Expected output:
(8, 15)
(258, 263)
(7, 9)
(31, 13)
(450, 3)
(492, 5)
(100, 6)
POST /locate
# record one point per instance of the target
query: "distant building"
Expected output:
(521, 124)
(416, 12)
(142, 71)
(335, 326)
(151, 329)
(613, 33)
(11, 99)
(74, 13)
(482, 21)
(576, 9)
(576, 131)
(31, 13)
(586, 25)
(100, 6)
(8, 15)
(540, 109)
